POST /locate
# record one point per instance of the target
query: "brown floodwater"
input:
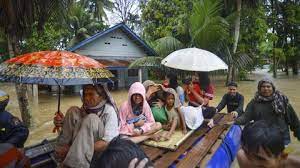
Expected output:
(43, 112)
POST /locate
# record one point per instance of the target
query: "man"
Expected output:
(233, 100)
(262, 145)
(12, 130)
(87, 129)
(13, 134)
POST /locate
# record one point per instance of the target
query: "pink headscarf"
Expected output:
(125, 111)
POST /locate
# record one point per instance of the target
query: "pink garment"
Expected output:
(126, 113)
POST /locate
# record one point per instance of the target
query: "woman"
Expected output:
(171, 80)
(136, 118)
(271, 105)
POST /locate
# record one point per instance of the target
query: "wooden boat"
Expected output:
(216, 147)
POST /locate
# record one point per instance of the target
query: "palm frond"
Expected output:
(147, 62)
(166, 45)
(207, 27)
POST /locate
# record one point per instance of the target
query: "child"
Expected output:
(136, 119)
(175, 117)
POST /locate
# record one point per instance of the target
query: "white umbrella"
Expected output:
(194, 59)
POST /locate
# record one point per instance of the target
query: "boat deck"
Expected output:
(195, 151)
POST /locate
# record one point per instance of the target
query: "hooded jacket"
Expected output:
(125, 111)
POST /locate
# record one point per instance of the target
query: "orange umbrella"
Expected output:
(54, 68)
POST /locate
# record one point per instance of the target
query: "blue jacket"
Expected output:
(12, 130)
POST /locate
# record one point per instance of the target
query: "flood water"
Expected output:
(43, 113)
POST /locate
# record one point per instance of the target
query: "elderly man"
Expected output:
(87, 129)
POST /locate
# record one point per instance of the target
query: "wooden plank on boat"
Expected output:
(152, 152)
(213, 149)
(198, 152)
(170, 156)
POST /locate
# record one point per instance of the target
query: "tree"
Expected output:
(16, 18)
(96, 7)
(166, 18)
(127, 11)
(81, 24)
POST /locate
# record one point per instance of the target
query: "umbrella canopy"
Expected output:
(53, 68)
(194, 59)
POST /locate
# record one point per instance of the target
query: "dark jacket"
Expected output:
(233, 103)
(12, 130)
(264, 111)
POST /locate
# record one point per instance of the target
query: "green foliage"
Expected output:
(82, 24)
(207, 28)
(162, 18)
(49, 39)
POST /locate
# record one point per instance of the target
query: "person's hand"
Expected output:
(159, 103)
(141, 164)
(211, 124)
(234, 114)
(166, 126)
(137, 132)
(152, 89)
(140, 123)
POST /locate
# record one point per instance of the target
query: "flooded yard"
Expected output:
(43, 113)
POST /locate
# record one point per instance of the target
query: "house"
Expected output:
(116, 48)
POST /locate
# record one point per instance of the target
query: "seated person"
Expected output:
(87, 129)
(156, 100)
(262, 145)
(175, 117)
(233, 100)
(196, 98)
(171, 81)
(136, 117)
(123, 153)
(12, 130)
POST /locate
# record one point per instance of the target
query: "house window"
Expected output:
(133, 72)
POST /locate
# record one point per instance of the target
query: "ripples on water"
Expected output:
(43, 113)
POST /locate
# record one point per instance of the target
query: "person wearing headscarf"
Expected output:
(87, 130)
(136, 119)
(155, 98)
(174, 114)
(271, 105)
(12, 130)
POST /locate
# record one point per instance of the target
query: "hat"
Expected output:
(148, 83)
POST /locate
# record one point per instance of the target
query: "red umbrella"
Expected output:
(54, 68)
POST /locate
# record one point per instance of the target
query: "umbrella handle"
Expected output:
(58, 105)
